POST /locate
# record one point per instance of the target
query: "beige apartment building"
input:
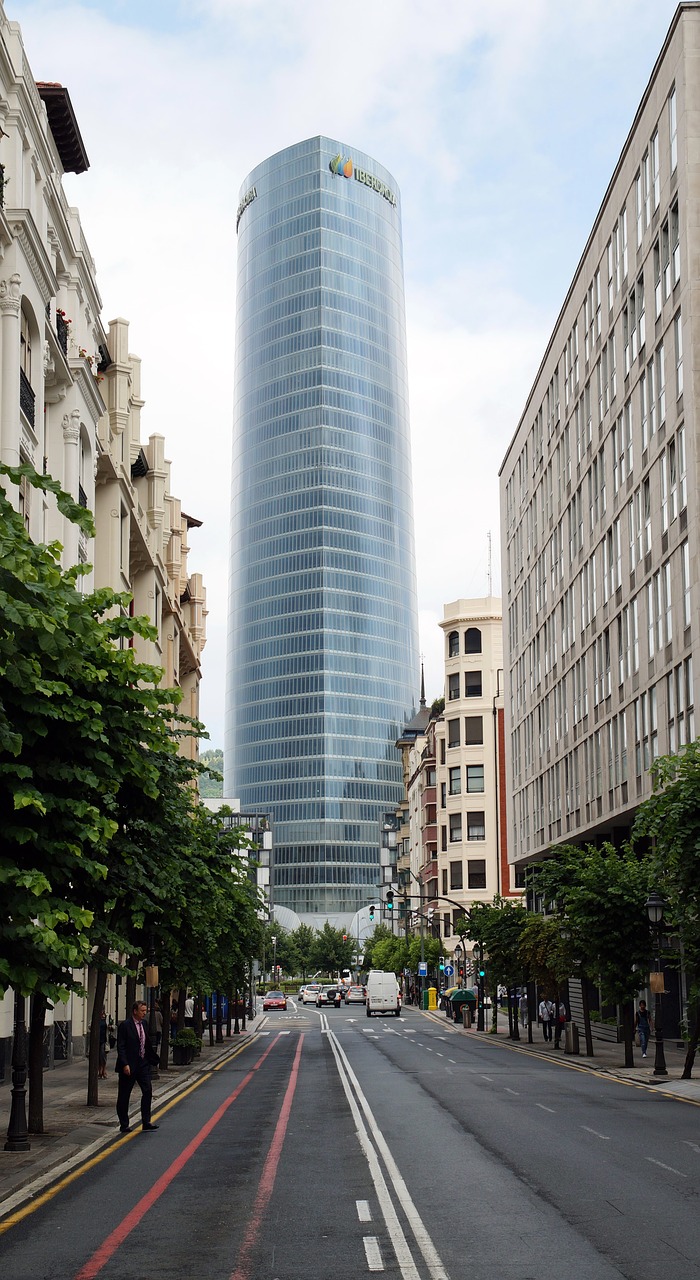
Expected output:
(70, 404)
(599, 495)
(471, 858)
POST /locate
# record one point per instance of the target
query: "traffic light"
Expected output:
(442, 964)
(390, 899)
(371, 911)
(482, 971)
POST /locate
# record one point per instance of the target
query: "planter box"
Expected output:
(182, 1054)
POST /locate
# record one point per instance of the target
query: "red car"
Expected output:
(275, 1000)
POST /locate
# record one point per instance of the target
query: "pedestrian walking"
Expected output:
(522, 1007)
(135, 1057)
(102, 1062)
(642, 1026)
(559, 1022)
(546, 1014)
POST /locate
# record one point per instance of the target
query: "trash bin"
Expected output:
(466, 1016)
(424, 1004)
(571, 1038)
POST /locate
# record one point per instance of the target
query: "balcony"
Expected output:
(62, 333)
(26, 397)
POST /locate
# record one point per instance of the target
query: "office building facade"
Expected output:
(322, 656)
(599, 496)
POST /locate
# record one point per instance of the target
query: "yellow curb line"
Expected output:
(52, 1191)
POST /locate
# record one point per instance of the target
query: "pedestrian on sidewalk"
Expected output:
(522, 1006)
(546, 1014)
(559, 1022)
(642, 1025)
(102, 1063)
(135, 1057)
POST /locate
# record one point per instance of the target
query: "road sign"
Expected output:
(422, 968)
(449, 970)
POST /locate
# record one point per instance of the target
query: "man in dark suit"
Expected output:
(135, 1057)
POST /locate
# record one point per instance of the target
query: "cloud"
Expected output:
(501, 124)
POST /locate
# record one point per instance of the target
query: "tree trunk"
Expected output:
(692, 1043)
(198, 1026)
(228, 1016)
(181, 997)
(35, 1065)
(628, 1031)
(131, 986)
(94, 1051)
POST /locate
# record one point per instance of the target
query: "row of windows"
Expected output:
(605, 761)
(472, 642)
(642, 414)
(315, 810)
(658, 500)
(472, 824)
(339, 671)
(473, 781)
(321, 483)
(323, 875)
(476, 879)
(472, 686)
(660, 601)
(471, 736)
(322, 853)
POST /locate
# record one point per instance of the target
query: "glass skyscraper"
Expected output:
(322, 637)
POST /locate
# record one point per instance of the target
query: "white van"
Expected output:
(382, 994)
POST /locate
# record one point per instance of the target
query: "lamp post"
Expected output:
(17, 1132)
(151, 986)
(274, 960)
(655, 911)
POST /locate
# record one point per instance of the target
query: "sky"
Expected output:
(501, 122)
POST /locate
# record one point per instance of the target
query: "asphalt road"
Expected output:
(334, 1145)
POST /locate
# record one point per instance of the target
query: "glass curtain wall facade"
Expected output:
(322, 638)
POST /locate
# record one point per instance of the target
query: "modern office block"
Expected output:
(599, 495)
(322, 662)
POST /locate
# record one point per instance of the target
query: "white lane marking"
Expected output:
(430, 1254)
(489, 1078)
(263, 1033)
(428, 1048)
(440, 1055)
(410, 1031)
(543, 1108)
(694, 1145)
(364, 1212)
(668, 1167)
(373, 1253)
(604, 1136)
(453, 1061)
(513, 1091)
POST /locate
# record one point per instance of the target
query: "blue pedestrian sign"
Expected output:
(448, 970)
(422, 968)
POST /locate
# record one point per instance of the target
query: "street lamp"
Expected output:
(17, 1133)
(655, 911)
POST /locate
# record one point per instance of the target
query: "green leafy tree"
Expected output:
(371, 942)
(211, 782)
(544, 955)
(602, 892)
(669, 824)
(302, 939)
(330, 952)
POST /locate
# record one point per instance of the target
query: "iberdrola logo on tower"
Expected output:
(342, 165)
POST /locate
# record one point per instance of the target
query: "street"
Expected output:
(337, 1145)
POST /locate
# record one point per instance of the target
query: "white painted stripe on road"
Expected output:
(410, 1031)
(694, 1145)
(423, 1240)
(604, 1136)
(668, 1167)
(364, 1212)
(513, 1091)
(542, 1107)
(440, 1055)
(374, 1253)
(284, 1033)
(453, 1061)
(489, 1078)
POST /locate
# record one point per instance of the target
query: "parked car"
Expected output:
(355, 995)
(311, 990)
(275, 1000)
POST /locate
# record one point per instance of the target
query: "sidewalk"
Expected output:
(74, 1131)
(608, 1058)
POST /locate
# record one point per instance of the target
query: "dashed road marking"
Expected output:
(513, 1091)
(604, 1136)
(669, 1168)
(373, 1253)
(364, 1212)
(543, 1108)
